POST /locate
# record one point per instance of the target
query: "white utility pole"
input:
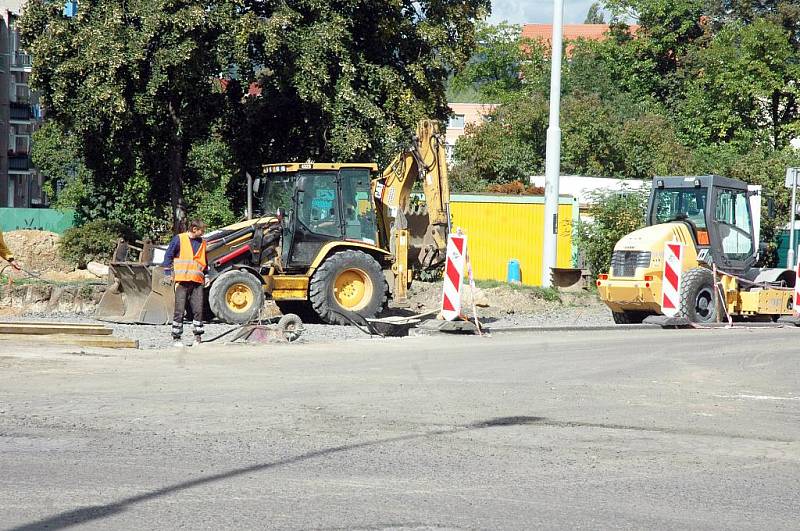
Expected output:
(791, 180)
(553, 154)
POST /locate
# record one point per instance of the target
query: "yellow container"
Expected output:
(500, 228)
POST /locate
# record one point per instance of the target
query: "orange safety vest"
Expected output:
(190, 266)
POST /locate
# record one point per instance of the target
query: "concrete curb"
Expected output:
(601, 328)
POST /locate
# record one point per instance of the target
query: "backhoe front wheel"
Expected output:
(236, 297)
(698, 300)
(348, 284)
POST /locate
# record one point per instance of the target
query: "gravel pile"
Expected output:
(585, 311)
(592, 315)
(159, 336)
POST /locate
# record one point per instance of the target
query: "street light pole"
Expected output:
(790, 259)
(553, 153)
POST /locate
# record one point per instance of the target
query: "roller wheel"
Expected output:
(697, 296)
(236, 297)
(347, 284)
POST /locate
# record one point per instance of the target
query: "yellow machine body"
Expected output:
(632, 288)
(404, 238)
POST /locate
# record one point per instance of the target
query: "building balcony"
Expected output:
(21, 60)
(19, 162)
(20, 111)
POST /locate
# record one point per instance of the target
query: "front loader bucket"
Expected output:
(136, 294)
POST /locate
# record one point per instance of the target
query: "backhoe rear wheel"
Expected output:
(236, 297)
(348, 283)
(698, 300)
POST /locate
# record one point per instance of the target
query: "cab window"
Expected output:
(319, 208)
(682, 203)
(732, 215)
(359, 215)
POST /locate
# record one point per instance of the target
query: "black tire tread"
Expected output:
(320, 287)
(216, 296)
(693, 280)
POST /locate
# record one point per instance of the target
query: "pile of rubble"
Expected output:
(37, 251)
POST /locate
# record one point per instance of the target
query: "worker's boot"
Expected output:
(177, 332)
(197, 328)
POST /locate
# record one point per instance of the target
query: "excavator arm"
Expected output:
(416, 235)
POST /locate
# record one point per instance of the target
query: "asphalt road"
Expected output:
(634, 429)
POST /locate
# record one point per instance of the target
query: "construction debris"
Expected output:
(85, 335)
(44, 328)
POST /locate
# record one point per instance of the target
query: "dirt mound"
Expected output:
(500, 299)
(37, 250)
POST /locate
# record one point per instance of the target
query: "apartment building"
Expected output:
(462, 115)
(20, 115)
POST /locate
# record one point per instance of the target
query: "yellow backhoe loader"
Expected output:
(714, 218)
(333, 242)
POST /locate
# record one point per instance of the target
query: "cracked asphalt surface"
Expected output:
(619, 429)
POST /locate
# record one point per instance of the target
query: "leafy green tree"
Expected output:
(133, 81)
(142, 83)
(595, 15)
(508, 146)
(613, 215)
(617, 138)
(744, 89)
(345, 80)
(57, 155)
(214, 171)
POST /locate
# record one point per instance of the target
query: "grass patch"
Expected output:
(545, 294)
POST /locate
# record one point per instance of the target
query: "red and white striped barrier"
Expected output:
(453, 276)
(671, 285)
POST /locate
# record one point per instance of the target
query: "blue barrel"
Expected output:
(514, 275)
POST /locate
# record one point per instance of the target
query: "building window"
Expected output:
(456, 122)
(19, 139)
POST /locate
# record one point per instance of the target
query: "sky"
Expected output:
(524, 11)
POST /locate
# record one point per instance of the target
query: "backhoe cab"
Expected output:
(714, 217)
(331, 263)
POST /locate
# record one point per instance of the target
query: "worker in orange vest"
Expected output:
(185, 262)
(5, 253)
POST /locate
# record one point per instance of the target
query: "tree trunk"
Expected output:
(175, 169)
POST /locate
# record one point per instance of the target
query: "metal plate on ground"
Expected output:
(452, 327)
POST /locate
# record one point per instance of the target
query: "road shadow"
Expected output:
(97, 512)
(88, 514)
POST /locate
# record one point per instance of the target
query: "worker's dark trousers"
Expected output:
(191, 293)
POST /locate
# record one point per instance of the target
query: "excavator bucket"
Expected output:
(136, 291)
(426, 240)
(136, 294)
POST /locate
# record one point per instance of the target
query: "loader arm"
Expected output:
(417, 236)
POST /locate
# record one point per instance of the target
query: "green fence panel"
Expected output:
(36, 218)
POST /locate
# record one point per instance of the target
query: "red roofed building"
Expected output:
(572, 32)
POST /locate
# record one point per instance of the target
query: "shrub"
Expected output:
(94, 241)
(613, 215)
